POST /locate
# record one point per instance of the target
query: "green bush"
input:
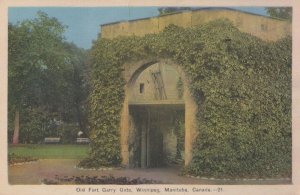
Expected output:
(68, 133)
(242, 86)
(36, 125)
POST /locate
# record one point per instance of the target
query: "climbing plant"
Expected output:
(179, 132)
(179, 87)
(241, 84)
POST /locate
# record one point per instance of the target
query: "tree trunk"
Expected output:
(17, 128)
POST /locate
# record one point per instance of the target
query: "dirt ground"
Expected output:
(34, 173)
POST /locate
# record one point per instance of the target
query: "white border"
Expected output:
(5, 188)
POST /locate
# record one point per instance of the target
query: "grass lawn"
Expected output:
(55, 151)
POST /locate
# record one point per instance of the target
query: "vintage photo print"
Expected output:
(149, 98)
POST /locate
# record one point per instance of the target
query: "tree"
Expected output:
(167, 10)
(280, 12)
(77, 86)
(37, 64)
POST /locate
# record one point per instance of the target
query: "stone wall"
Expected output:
(263, 27)
(266, 28)
(131, 73)
(144, 89)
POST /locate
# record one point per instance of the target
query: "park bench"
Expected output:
(51, 140)
(82, 140)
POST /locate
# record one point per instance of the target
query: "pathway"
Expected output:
(34, 173)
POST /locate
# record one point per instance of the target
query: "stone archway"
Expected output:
(144, 93)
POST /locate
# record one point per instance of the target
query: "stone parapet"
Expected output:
(264, 27)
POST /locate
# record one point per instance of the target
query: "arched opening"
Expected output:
(158, 123)
(156, 110)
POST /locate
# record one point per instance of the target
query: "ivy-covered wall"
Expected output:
(242, 86)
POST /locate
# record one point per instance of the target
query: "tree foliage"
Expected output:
(44, 77)
(168, 10)
(241, 84)
(35, 49)
(280, 12)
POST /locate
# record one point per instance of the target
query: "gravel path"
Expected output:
(34, 173)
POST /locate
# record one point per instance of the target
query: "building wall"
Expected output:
(149, 93)
(263, 27)
(132, 71)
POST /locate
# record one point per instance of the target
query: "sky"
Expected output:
(84, 22)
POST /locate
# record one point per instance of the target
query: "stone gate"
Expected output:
(157, 92)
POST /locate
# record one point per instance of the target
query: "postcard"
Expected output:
(149, 97)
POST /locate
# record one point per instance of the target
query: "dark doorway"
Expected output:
(155, 138)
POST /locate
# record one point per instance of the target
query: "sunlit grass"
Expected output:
(55, 151)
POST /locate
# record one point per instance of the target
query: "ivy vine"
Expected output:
(242, 86)
(180, 89)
